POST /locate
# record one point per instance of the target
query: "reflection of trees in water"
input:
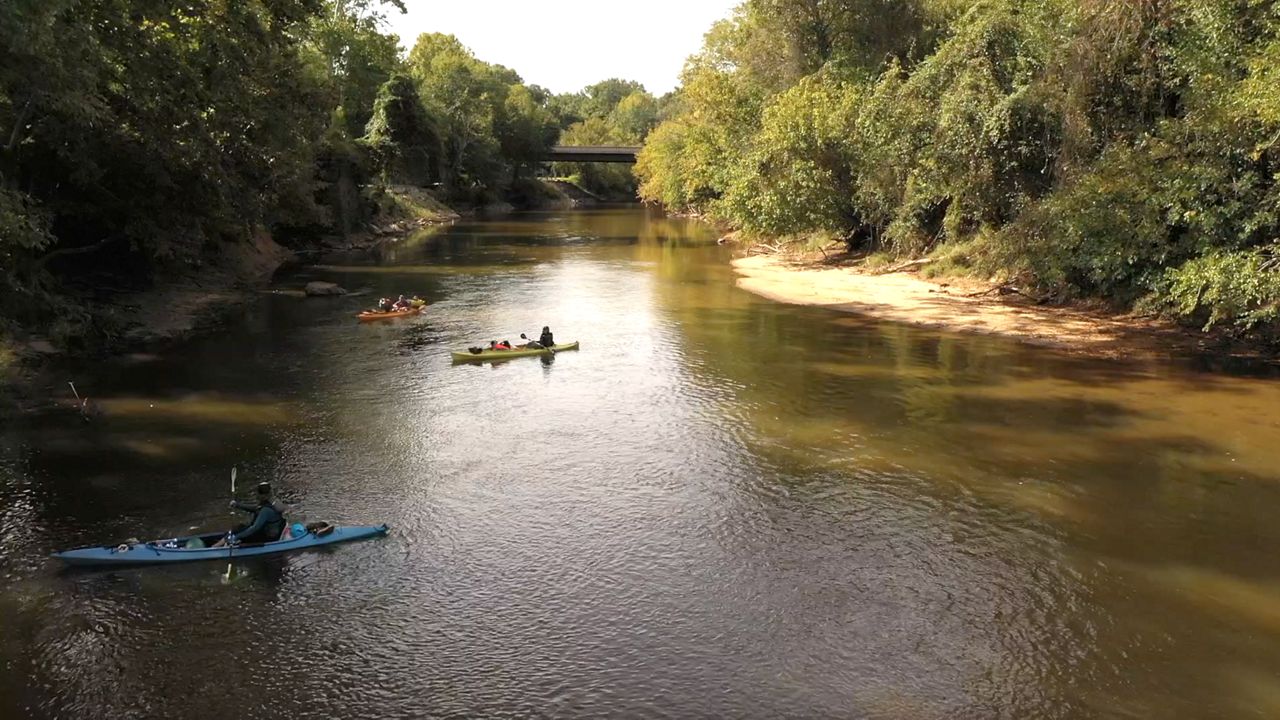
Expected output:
(1150, 491)
(1090, 442)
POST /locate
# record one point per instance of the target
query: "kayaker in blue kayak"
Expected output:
(268, 520)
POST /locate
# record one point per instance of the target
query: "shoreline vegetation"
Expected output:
(1119, 154)
(1123, 155)
(968, 305)
(159, 161)
(183, 304)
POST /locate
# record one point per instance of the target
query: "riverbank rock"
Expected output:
(40, 347)
(323, 289)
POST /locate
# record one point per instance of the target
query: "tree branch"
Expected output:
(82, 250)
(19, 119)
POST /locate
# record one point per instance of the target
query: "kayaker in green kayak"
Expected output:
(545, 340)
(268, 520)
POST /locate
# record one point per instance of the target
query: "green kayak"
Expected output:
(491, 355)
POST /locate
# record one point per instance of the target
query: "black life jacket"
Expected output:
(273, 527)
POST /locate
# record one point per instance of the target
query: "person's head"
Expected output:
(546, 328)
(264, 491)
(401, 297)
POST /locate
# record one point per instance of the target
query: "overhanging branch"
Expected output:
(82, 250)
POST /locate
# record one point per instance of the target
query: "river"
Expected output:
(718, 507)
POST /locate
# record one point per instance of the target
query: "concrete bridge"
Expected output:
(591, 153)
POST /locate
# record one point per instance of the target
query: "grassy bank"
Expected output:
(410, 203)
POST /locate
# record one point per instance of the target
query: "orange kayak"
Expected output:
(371, 315)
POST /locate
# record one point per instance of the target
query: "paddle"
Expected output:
(84, 404)
(231, 548)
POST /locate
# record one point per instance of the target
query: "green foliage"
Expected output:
(491, 123)
(799, 176)
(24, 232)
(634, 116)
(1241, 287)
(141, 138)
(689, 161)
(1086, 148)
(24, 228)
(167, 127)
(525, 128)
(854, 33)
(358, 58)
(137, 137)
(598, 100)
(401, 137)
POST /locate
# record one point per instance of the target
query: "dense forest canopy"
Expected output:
(138, 137)
(1081, 147)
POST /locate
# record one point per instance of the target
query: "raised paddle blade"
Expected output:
(233, 482)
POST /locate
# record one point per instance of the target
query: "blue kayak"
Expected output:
(198, 547)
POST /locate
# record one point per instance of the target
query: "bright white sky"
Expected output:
(565, 45)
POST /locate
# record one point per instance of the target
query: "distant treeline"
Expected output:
(137, 136)
(1125, 150)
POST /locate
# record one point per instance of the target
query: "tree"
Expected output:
(469, 97)
(1125, 150)
(525, 129)
(635, 115)
(801, 173)
(604, 96)
(358, 58)
(401, 136)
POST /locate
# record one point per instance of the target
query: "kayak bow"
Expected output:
(175, 550)
(489, 355)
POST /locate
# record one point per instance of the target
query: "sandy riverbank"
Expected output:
(960, 306)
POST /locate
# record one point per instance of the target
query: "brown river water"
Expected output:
(719, 507)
